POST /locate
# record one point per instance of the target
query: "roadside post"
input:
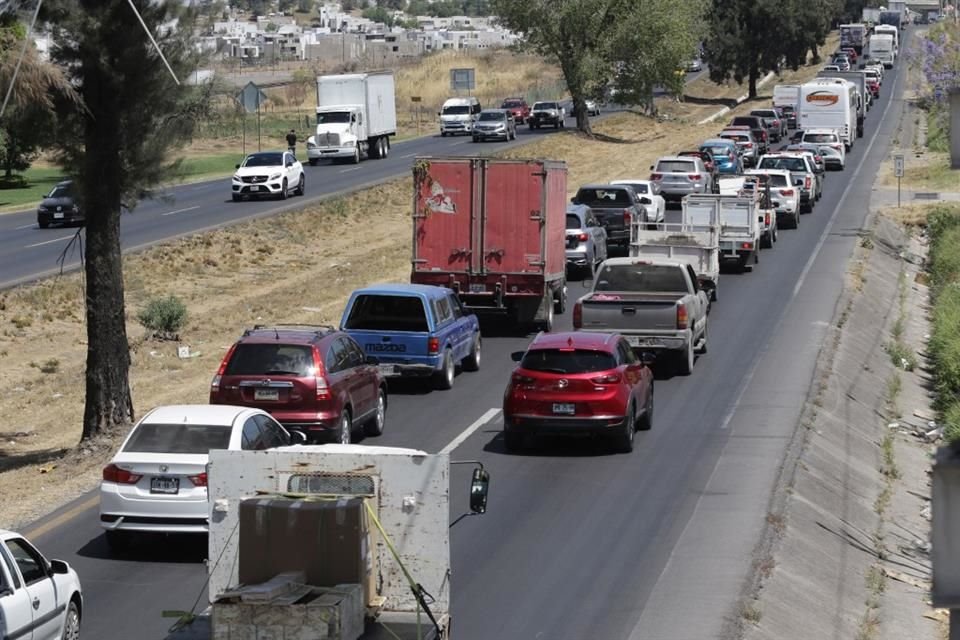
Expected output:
(416, 100)
(251, 97)
(945, 534)
(898, 171)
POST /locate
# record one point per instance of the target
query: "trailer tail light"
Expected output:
(806, 182)
(656, 176)
(608, 378)
(696, 177)
(746, 245)
(433, 346)
(682, 316)
(766, 219)
(113, 473)
(578, 315)
(786, 192)
(199, 480)
(323, 389)
(215, 383)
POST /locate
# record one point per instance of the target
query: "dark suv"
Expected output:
(757, 126)
(315, 380)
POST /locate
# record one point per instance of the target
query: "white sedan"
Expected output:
(158, 479)
(653, 201)
(39, 598)
(274, 174)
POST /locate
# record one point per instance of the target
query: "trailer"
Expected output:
(356, 117)
(853, 35)
(494, 231)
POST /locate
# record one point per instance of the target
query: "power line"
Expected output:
(23, 52)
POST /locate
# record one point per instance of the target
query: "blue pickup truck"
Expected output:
(414, 330)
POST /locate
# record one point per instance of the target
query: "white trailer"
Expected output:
(740, 227)
(356, 117)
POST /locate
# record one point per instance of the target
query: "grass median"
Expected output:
(944, 228)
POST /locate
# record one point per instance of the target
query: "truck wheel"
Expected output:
(444, 378)
(687, 358)
(313, 162)
(356, 155)
(560, 304)
(645, 423)
(385, 149)
(547, 324)
(443, 134)
(374, 426)
(624, 439)
(472, 361)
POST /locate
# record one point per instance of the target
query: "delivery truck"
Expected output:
(853, 35)
(883, 49)
(356, 117)
(494, 231)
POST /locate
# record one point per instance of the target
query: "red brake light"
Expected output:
(766, 219)
(656, 176)
(199, 480)
(626, 217)
(806, 183)
(607, 378)
(786, 192)
(113, 473)
(323, 389)
(582, 237)
(578, 315)
(746, 245)
(433, 346)
(681, 316)
(694, 176)
(215, 383)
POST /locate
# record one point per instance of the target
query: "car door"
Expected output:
(462, 335)
(628, 359)
(362, 380)
(16, 611)
(46, 605)
(341, 377)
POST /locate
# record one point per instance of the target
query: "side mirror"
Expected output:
(298, 437)
(59, 567)
(479, 488)
(517, 356)
(373, 360)
(651, 167)
(573, 201)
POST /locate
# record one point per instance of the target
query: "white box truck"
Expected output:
(787, 97)
(829, 103)
(356, 116)
(883, 49)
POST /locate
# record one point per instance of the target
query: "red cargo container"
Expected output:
(493, 231)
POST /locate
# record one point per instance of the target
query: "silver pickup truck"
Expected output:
(655, 303)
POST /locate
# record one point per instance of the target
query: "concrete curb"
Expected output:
(764, 80)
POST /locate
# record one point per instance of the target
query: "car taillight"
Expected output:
(748, 145)
(323, 389)
(520, 380)
(578, 315)
(681, 316)
(215, 383)
(746, 245)
(694, 176)
(626, 217)
(113, 473)
(656, 176)
(433, 346)
(835, 146)
(766, 219)
(199, 480)
(763, 136)
(786, 192)
(806, 183)
(607, 378)
(582, 237)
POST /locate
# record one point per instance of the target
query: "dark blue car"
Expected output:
(726, 155)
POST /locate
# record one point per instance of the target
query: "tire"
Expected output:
(234, 197)
(756, 257)
(283, 190)
(301, 186)
(313, 162)
(703, 349)
(646, 422)
(118, 540)
(589, 271)
(444, 378)
(531, 126)
(713, 294)
(71, 623)
(560, 305)
(546, 325)
(386, 147)
(344, 433)
(443, 134)
(45, 225)
(766, 241)
(624, 439)
(685, 363)
(356, 156)
(476, 139)
(472, 361)
(556, 125)
(374, 426)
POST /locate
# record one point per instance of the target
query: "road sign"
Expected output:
(463, 79)
(251, 97)
(898, 165)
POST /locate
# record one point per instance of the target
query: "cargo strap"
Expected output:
(423, 598)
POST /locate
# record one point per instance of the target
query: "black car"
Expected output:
(59, 207)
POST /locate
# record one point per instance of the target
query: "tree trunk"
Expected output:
(754, 76)
(8, 157)
(108, 401)
(583, 118)
(815, 55)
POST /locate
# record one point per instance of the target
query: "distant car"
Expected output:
(615, 207)
(60, 207)
(851, 54)
(784, 196)
(495, 123)
(649, 197)
(679, 176)
(578, 383)
(788, 113)
(757, 126)
(842, 62)
(726, 155)
(695, 65)
(39, 598)
(157, 481)
(593, 109)
(748, 145)
(586, 241)
(273, 174)
(517, 107)
(832, 67)
(777, 125)
(831, 139)
(815, 149)
(803, 175)
(315, 380)
(547, 113)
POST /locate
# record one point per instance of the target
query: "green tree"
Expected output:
(117, 146)
(283, 6)
(392, 5)
(306, 6)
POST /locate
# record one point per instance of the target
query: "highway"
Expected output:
(577, 542)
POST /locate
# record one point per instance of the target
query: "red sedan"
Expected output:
(578, 383)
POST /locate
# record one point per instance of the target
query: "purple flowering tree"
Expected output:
(936, 56)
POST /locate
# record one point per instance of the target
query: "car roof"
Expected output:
(717, 141)
(277, 334)
(202, 414)
(426, 290)
(602, 185)
(576, 339)
(501, 112)
(673, 158)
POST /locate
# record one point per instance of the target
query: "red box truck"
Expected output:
(493, 230)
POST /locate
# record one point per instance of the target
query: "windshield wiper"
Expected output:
(553, 370)
(281, 372)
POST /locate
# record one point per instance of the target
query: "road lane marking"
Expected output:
(40, 244)
(409, 155)
(457, 144)
(63, 518)
(26, 226)
(176, 211)
(350, 169)
(482, 420)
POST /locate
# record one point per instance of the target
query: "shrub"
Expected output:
(951, 421)
(165, 317)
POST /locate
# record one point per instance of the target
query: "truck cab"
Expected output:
(356, 115)
(339, 131)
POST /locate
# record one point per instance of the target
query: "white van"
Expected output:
(893, 32)
(829, 103)
(883, 50)
(458, 115)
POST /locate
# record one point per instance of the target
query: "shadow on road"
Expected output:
(151, 547)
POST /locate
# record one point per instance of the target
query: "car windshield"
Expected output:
(603, 197)
(333, 117)
(641, 277)
(510, 104)
(717, 150)
(568, 361)
(819, 137)
(151, 437)
(790, 164)
(739, 137)
(372, 312)
(745, 120)
(264, 160)
(61, 191)
(765, 114)
(459, 110)
(573, 221)
(545, 105)
(639, 187)
(490, 115)
(676, 166)
(257, 359)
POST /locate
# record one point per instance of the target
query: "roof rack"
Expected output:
(318, 329)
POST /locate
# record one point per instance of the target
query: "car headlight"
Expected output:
(236, 178)
(42, 209)
(275, 176)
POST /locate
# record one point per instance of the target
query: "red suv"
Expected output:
(315, 380)
(518, 107)
(578, 382)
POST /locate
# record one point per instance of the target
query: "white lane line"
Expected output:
(482, 420)
(40, 244)
(25, 226)
(457, 144)
(176, 211)
(812, 259)
(350, 169)
(409, 155)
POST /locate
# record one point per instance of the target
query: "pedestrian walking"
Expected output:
(292, 142)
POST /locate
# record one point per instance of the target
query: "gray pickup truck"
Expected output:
(614, 207)
(656, 304)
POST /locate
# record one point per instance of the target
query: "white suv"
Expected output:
(39, 598)
(785, 196)
(831, 139)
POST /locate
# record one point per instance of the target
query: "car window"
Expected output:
(152, 437)
(573, 221)
(640, 277)
(263, 160)
(603, 197)
(676, 166)
(568, 361)
(251, 438)
(270, 358)
(630, 357)
(492, 115)
(61, 191)
(32, 566)
(336, 357)
(455, 309)
(717, 150)
(640, 187)
(790, 164)
(777, 180)
(373, 312)
(693, 278)
(444, 313)
(352, 356)
(272, 433)
(820, 137)
(10, 569)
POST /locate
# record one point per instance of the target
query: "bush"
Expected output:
(165, 317)
(944, 228)
(951, 422)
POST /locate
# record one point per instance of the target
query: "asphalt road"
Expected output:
(577, 542)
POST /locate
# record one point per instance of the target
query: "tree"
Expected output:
(117, 147)
(305, 6)
(392, 5)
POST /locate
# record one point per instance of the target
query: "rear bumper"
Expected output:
(533, 425)
(418, 370)
(577, 258)
(66, 217)
(142, 513)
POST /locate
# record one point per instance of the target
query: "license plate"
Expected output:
(478, 288)
(266, 394)
(565, 408)
(168, 486)
(58, 215)
(637, 341)
(388, 370)
(254, 188)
